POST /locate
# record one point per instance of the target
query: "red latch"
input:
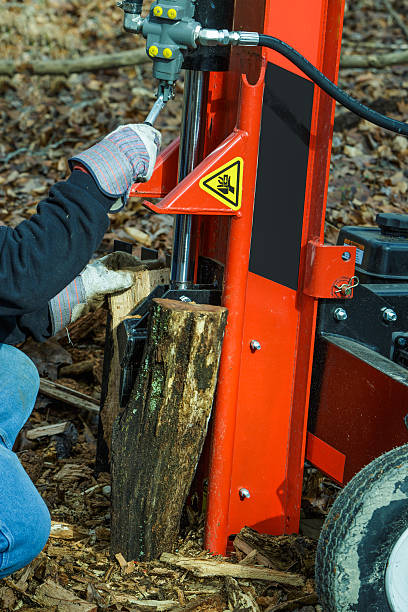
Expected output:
(330, 270)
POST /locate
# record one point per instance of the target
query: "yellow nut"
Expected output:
(153, 51)
(172, 13)
(167, 53)
(158, 11)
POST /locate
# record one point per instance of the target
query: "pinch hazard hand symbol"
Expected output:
(225, 183)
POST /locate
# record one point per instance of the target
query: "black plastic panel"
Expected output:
(282, 172)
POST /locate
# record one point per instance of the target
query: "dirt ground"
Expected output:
(44, 119)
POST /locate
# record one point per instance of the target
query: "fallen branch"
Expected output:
(80, 64)
(374, 60)
(396, 17)
(138, 56)
(205, 567)
(68, 396)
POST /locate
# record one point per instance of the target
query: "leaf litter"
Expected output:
(45, 119)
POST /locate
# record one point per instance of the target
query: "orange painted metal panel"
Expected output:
(325, 457)
(164, 177)
(264, 407)
(300, 24)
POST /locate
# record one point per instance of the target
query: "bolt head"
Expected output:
(255, 345)
(244, 494)
(389, 315)
(402, 341)
(340, 314)
(346, 256)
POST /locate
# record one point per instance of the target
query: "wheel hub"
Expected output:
(396, 575)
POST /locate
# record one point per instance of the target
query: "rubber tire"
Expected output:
(365, 521)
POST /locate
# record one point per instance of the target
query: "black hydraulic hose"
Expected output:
(330, 88)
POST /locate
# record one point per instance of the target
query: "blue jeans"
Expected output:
(24, 517)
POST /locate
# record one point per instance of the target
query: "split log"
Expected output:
(237, 599)
(81, 64)
(203, 568)
(157, 441)
(146, 278)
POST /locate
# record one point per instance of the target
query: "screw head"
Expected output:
(244, 494)
(389, 315)
(346, 256)
(255, 345)
(340, 314)
(402, 341)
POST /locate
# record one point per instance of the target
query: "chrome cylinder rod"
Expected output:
(156, 110)
(195, 92)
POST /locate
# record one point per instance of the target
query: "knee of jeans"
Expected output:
(24, 540)
(25, 373)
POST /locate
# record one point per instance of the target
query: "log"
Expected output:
(81, 64)
(204, 568)
(237, 599)
(146, 278)
(157, 441)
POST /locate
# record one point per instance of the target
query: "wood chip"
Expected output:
(52, 594)
(146, 604)
(205, 567)
(238, 599)
(63, 531)
(121, 560)
(293, 604)
(250, 558)
(47, 430)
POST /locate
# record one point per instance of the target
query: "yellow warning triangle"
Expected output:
(225, 183)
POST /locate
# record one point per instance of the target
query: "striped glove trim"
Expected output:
(125, 156)
(62, 305)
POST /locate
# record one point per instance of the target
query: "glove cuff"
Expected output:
(62, 305)
(108, 166)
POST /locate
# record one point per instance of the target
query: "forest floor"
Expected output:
(44, 119)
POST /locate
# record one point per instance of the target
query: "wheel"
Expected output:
(362, 555)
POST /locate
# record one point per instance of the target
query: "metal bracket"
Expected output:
(329, 270)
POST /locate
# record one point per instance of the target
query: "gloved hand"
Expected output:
(123, 157)
(87, 291)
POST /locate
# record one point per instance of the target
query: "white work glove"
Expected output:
(123, 157)
(87, 291)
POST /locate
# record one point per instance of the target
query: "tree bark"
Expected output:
(157, 441)
(146, 278)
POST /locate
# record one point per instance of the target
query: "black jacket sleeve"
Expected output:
(44, 254)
